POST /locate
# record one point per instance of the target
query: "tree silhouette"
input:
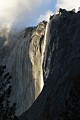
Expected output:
(6, 112)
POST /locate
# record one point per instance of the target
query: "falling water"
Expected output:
(46, 41)
(46, 37)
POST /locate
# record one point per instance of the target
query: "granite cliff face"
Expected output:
(23, 53)
(60, 97)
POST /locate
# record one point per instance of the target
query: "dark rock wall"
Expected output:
(59, 99)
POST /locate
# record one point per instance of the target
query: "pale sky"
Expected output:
(24, 13)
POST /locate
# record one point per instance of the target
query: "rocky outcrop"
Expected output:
(60, 97)
(22, 53)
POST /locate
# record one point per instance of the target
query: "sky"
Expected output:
(24, 13)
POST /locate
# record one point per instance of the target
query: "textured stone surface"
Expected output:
(59, 99)
(22, 53)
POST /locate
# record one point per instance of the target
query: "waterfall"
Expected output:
(46, 42)
(46, 37)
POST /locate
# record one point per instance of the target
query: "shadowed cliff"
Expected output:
(60, 97)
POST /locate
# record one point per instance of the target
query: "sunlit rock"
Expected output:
(22, 53)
